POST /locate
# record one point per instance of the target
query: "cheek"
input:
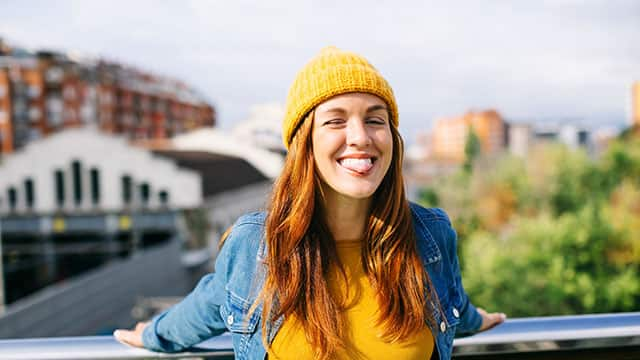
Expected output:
(385, 145)
(321, 157)
(385, 142)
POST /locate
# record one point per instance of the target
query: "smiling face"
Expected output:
(352, 145)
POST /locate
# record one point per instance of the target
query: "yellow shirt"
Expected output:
(290, 341)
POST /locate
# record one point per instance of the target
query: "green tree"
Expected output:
(557, 233)
(429, 197)
(550, 265)
(472, 149)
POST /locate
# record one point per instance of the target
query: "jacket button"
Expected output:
(443, 326)
(230, 319)
(456, 313)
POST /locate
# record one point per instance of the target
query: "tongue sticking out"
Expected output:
(357, 165)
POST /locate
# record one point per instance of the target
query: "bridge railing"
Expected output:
(610, 336)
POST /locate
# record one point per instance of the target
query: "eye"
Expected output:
(376, 120)
(334, 122)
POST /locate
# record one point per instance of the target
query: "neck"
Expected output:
(346, 217)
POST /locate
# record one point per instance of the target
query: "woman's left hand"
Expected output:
(490, 320)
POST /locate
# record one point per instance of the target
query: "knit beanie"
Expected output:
(333, 72)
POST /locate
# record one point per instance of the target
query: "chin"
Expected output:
(360, 192)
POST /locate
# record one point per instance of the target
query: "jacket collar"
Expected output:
(426, 243)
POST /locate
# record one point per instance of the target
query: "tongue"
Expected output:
(357, 165)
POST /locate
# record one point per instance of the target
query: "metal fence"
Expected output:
(610, 336)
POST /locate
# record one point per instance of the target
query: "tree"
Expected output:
(557, 233)
(471, 149)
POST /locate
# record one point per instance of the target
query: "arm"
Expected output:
(472, 319)
(192, 320)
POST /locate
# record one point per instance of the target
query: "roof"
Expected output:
(218, 172)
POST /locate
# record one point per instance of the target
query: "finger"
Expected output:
(495, 319)
(127, 337)
(500, 317)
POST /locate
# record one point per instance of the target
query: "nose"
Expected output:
(357, 134)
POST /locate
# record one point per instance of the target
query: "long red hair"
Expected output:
(301, 250)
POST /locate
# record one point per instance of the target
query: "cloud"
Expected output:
(527, 59)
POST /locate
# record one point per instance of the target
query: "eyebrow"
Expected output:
(369, 109)
(376, 108)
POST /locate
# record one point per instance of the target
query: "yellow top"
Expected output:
(290, 341)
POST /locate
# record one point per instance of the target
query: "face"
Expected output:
(352, 144)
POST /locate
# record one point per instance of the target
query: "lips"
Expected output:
(358, 165)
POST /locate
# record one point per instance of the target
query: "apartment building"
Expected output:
(43, 92)
(450, 134)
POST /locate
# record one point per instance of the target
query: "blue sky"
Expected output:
(530, 60)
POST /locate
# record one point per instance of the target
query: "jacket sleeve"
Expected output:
(470, 318)
(195, 318)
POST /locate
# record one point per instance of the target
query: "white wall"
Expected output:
(111, 155)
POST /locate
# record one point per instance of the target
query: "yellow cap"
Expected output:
(333, 72)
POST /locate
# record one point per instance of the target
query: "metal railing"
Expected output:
(612, 336)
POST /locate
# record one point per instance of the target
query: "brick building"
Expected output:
(43, 92)
(450, 134)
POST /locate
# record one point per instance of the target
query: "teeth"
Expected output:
(351, 161)
(358, 165)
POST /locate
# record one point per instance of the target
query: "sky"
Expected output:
(532, 61)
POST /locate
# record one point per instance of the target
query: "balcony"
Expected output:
(610, 336)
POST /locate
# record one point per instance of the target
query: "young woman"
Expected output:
(341, 265)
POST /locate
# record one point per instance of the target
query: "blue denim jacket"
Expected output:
(221, 300)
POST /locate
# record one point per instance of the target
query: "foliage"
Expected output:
(555, 233)
(471, 149)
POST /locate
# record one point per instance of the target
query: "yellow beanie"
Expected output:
(333, 72)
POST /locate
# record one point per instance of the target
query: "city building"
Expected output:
(567, 132)
(450, 134)
(520, 138)
(44, 92)
(441, 151)
(66, 208)
(69, 173)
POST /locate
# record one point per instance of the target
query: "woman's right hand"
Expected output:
(131, 337)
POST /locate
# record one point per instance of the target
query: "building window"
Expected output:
(59, 184)
(29, 193)
(12, 196)
(76, 173)
(145, 192)
(95, 186)
(164, 197)
(126, 189)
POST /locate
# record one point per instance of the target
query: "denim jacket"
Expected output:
(221, 300)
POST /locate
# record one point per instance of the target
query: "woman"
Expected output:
(341, 265)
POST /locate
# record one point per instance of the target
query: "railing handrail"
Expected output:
(514, 336)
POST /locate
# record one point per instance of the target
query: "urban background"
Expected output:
(117, 177)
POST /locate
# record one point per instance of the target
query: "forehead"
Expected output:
(350, 101)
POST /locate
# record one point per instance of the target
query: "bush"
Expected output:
(557, 233)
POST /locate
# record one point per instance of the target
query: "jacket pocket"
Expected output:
(235, 314)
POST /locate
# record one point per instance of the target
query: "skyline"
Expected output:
(549, 60)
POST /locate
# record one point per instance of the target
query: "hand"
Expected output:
(131, 337)
(490, 320)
